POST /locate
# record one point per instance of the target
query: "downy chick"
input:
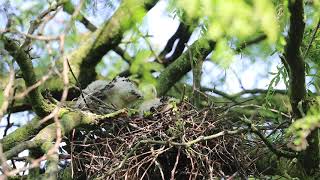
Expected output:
(103, 97)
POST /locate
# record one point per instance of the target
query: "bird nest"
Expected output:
(178, 143)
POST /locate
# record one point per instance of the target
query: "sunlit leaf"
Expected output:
(223, 54)
(266, 14)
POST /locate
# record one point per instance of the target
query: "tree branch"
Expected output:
(278, 152)
(39, 105)
(309, 159)
(182, 35)
(69, 8)
(87, 56)
(200, 50)
(251, 42)
(69, 121)
(292, 56)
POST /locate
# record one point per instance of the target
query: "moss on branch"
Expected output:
(39, 105)
(293, 60)
(21, 134)
(13, 143)
(90, 53)
(200, 49)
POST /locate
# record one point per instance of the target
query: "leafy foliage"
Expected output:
(301, 128)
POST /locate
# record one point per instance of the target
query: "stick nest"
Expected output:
(179, 143)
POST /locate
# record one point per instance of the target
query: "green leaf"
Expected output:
(223, 54)
(191, 8)
(139, 61)
(266, 16)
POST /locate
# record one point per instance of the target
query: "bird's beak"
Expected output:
(140, 96)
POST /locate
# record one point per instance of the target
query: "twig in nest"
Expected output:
(175, 164)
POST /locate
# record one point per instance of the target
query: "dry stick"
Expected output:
(7, 92)
(34, 86)
(185, 144)
(55, 147)
(78, 84)
(175, 164)
(73, 18)
(63, 98)
(9, 125)
(35, 23)
(71, 152)
(66, 65)
(34, 164)
(160, 169)
(5, 167)
(30, 36)
(152, 161)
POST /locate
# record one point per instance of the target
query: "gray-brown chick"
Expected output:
(103, 97)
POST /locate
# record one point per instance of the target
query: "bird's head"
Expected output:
(122, 92)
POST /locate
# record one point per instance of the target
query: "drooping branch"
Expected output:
(182, 35)
(271, 147)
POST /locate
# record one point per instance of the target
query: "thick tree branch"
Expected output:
(182, 35)
(21, 134)
(174, 72)
(69, 121)
(87, 56)
(292, 55)
(69, 8)
(39, 105)
(309, 159)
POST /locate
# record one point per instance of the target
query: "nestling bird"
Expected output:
(103, 97)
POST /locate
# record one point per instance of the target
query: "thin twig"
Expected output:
(9, 125)
(312, 38)
(78, 84)
(175, 164)
(7, 93)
